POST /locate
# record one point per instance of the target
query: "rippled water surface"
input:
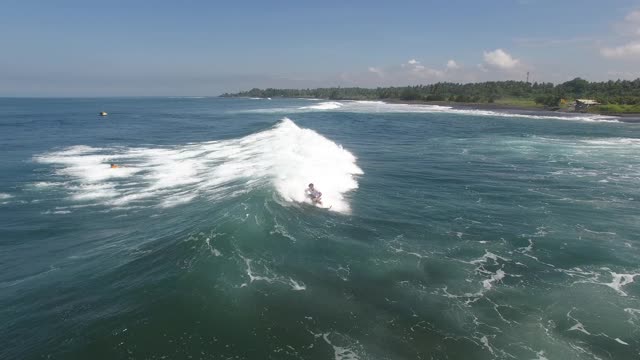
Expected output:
(444, 233)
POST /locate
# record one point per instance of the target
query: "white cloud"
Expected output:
(500, 59)
(430, 73)
(631, 24)
(376, 70)
(420, 71)
(633, 17)
(410, 72)
(628, 28)
(497, 65)
(630, 50)
(631, 75)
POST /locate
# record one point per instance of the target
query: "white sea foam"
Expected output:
(339, 352)
(329, 105)
(617, 283)
(620, 280)
(541, 356)
(488, 256)
(4, 196)
(490, 260)
(634, 315)
(57, 212)
(46, 184)
(285, 157)
(382, 107)
(296, 286)
(579, 327)
(620, 341)
(485, 341)
(497, 277)
(633, 312)
(614, 142)
(415, 108)
(269, 277)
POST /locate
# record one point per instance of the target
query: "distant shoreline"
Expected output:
(609, 98)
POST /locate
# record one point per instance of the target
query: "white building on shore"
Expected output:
(584, 104)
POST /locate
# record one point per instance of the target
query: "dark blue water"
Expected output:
(448, 234)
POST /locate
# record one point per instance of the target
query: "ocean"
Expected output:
(444, 233)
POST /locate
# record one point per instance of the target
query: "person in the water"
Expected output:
(115, 166)
(314, 194)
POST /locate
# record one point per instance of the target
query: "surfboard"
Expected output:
(323, 206)
(315, 204)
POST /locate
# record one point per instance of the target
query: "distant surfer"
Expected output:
(314, 194)
(115, 166)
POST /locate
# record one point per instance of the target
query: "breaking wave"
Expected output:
(284, 157)
(383, 107)
(329, 105)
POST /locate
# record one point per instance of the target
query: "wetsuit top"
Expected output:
(314, 193)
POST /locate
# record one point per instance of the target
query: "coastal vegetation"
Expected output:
(617, 109)
(619, 96)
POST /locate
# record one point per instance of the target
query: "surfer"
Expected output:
(314, 195)
(115, 166)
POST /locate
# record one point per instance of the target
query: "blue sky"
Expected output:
(107, 48)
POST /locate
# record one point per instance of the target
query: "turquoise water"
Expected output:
(445, 234)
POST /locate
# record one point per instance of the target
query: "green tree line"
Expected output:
(621, 92)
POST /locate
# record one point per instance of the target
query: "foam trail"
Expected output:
(286, 157)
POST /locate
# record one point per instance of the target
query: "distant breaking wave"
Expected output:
(330, 105)
(382, 107)
(285, 157)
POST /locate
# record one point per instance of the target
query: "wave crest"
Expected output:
(286, 157)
